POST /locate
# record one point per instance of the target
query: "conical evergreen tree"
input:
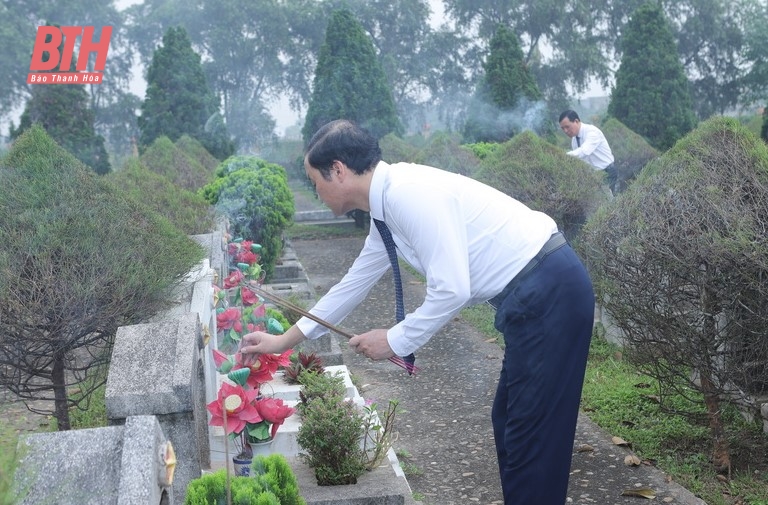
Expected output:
(350, 82)
(504, 92)
(652, 95)
(178, 99)
(62, 110)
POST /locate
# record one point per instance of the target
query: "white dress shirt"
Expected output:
(594, 148)
(467, 239)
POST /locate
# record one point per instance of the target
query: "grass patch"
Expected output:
(481, 318)
(298, 231)
(95, 415)
(625, 403)
(8, 463)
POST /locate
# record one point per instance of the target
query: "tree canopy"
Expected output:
(350, 82)
(178, 100)
(652, 95)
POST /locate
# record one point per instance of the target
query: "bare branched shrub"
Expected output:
(681, 262)
(77, 260)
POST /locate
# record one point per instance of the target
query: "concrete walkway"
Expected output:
(445, 428)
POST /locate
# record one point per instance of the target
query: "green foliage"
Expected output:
(179, 166)
(350, 82)
(197, 151)
(188, 211)
(482, 149)
(395, 149)
(178, 100)
(504, 93)
(631, 152)
(545, 178)
(506, 75)
(211, 489)
(651, 95)
(627, 403)
(8, 463)
(92, 410)
(255, 197)
(329, 435)
(444, 150)
(275, 475)
(81, 267)
(323, 386)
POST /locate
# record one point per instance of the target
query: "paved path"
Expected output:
(445, 424)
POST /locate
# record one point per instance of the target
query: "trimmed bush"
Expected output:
(181, 168)
(631, 152)
(445, 151)
(255, 197)
(543, 177)
(188, 211)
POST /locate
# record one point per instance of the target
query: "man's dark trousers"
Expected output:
(547, 322)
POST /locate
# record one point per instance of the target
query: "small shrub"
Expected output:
(275, 474)
(330, 434)
(211, 488)
(324, 386)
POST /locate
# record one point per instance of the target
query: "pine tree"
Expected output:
(62, 110)
(178, 99)
(350, 82)
(504, 94)
(651, 95)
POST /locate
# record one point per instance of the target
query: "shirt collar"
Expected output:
(376, 191)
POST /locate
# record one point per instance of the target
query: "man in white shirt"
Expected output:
(473, 244)
(589, 144)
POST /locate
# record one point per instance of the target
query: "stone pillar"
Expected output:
(113, 465)
(157, 369)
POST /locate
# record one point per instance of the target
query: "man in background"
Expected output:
(589, 144)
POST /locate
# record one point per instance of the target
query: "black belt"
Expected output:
(555, 242)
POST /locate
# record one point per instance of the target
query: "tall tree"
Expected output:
(651, 95)
(350, 82)
(506, 92)
(62, 110)
(178, 99)
(74, 266)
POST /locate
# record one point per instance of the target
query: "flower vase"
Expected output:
(261, 447)
(242, 465)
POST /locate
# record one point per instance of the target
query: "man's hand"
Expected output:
(373, 344)
(260, 342)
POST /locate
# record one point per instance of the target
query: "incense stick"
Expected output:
(397, 360)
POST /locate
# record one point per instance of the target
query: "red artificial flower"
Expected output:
(233, 248)
(228, 318)
(274, 410)
(234, 279)
(248, 297)
(240, 408)
(246, 256)
(263, 370)
(219, 358)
